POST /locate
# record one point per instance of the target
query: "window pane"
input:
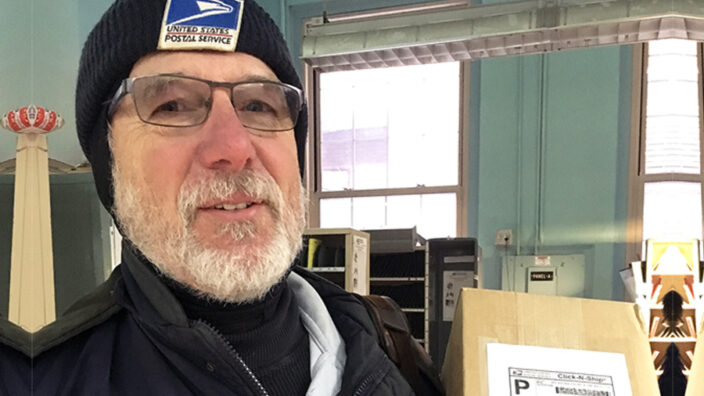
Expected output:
(670, 47)
(434, 215)
(672, 114)
(335, 213)
(676, 98)
(369, 212)
(390, 128)
(672, 210)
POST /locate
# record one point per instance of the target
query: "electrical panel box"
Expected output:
(561, 275)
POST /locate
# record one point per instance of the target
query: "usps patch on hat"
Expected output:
(201, 24)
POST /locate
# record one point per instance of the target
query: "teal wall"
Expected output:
(548, 150)
(60, 28)
(15, 82)
(553, 157)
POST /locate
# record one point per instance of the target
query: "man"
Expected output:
(193, 119)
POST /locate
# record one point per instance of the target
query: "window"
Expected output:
(669, 170)
(672, 111)
(388, 149)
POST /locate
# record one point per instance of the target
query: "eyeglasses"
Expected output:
(175, 100)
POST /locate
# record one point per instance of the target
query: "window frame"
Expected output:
(313, 173)
(637, 176)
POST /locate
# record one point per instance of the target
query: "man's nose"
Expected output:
(225, 143)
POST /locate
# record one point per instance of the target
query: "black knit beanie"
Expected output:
(129, 30)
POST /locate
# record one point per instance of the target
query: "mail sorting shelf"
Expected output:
(399, 273)
(402, 277)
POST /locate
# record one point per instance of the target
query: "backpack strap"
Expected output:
(395, 339)
(394, 334)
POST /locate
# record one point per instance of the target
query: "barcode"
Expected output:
(583, 392)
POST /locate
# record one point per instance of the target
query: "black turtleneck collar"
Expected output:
(268, 334)
(233, 317)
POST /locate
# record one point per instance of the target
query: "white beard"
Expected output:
(229, 273)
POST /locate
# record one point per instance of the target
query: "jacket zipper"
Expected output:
(370, 378)
(236, 355)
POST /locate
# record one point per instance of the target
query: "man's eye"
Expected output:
(170, 106)
(177, 106)
(257, 106)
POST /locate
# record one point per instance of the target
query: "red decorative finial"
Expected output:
(32, 120)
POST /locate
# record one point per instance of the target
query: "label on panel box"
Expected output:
(458, 259)
(542, 276)
(542, 261)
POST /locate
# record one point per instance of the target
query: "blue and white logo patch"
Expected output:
(201, 24)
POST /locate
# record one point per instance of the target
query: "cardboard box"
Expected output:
(486, 316)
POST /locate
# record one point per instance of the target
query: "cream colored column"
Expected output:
(32, 266)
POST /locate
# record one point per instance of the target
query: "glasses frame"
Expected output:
(127, 86)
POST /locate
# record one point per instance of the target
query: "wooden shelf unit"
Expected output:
(342, 257)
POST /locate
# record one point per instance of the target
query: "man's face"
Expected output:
(217, 206)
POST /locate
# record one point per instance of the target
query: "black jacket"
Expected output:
(15, 367)
(131, 337)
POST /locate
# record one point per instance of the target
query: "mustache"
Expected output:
(221, 185)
